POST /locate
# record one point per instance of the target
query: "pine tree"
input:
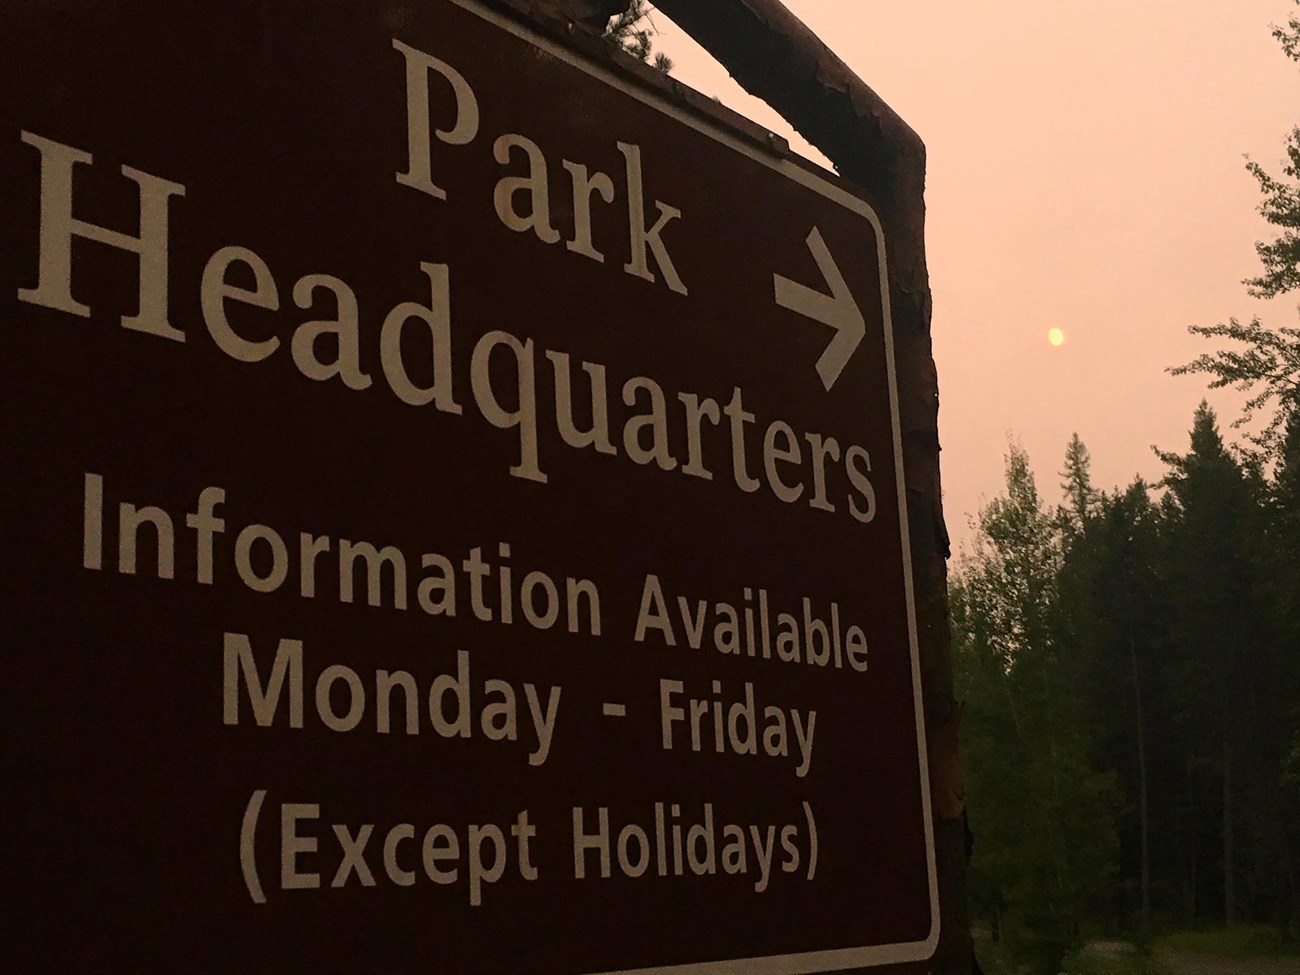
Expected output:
(1281, 206)
(1283, 538)
(631, 30)
(1112, 620)
(1266, 361)
(1220, 635)
(1076, 482)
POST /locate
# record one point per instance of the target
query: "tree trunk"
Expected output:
(1292, 895)
(1194, 840)
(1143, 809)
(1229, 879)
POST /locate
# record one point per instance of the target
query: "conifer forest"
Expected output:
(1129, 662)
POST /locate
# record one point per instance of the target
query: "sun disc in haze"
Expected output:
(1055, 336)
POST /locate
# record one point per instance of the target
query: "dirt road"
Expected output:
(1182, 964)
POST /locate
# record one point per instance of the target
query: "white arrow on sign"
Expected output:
(838, 309)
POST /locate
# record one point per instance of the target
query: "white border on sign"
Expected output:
(837, 959)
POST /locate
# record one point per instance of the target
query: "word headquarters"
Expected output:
(705, 437)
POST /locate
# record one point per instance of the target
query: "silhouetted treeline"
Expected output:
(1130, 666)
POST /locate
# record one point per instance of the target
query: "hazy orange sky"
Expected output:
(1085, 173)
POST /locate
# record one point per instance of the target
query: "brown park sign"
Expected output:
(452, 512)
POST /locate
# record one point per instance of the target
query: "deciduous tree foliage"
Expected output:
(1045, 853)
